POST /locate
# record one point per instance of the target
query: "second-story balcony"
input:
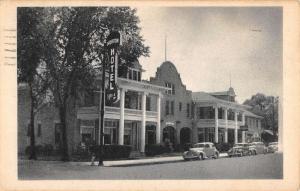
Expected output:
(91, 113)
(221, 122)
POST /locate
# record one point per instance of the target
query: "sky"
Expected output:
(211, 45)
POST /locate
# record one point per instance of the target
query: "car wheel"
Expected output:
(201, 156)
(216, 155)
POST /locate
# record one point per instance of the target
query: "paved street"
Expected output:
(252, 167)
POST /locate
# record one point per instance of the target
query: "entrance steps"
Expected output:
(136, 154)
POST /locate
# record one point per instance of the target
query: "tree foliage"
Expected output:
(30, 66)
(71, 47)
(267, 107)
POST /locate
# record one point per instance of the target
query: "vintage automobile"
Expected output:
(257, 148)
(272, 147)
(201, 151)
(239, 149)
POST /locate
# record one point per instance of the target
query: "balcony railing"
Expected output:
(129, 114)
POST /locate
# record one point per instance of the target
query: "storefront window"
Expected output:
(206, 134)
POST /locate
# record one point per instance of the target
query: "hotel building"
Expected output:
(148, 112)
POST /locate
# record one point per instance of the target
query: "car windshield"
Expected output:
(199, 145)
(272, 144)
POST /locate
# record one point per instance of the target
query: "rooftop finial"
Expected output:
(230, 79)
(165, 47)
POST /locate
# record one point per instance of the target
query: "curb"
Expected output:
(150, 162)
(143, 163)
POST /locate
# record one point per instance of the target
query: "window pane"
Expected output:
(173, 89)
(134, 75)
(130, 74)
(139, 76)
(172, 107)
(188, 110)
(148, 104)
(167, 108)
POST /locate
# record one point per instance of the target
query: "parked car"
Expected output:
(201, 151)
(273, 147)
(257, 148)
(239, 149)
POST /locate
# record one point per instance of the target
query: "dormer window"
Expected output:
(134, 74)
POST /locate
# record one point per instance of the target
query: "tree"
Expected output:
(29, 66)
(76, 48)
(266, 106)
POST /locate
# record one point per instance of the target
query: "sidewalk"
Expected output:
(123, 163)
(157, 160)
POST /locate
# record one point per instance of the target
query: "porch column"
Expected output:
(216, 125)
(243, 132)
(243, 136)
(158, 120)
(121, 125)
(143, 126)
(226, 125)
(243, 118)
(236, 127)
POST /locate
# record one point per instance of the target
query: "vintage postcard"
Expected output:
(151, 95)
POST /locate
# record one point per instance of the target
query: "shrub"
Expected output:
(47, 149)
(112, 151)
(223, 147)
(155, 149)
(38, 149)
(116, 151)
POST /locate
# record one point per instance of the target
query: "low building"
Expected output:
(218, 118)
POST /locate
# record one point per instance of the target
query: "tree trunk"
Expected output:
(62, 114)
(32, 154)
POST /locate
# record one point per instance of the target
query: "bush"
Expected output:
(112, 151)
(182, 147)
(38, 149)
(155, 149)
(223, 147)
(47, 149)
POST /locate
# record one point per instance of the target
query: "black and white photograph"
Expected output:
(149, 93)
(165, 95)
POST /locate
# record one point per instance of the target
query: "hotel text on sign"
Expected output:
(113, 41)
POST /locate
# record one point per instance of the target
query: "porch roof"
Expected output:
(250, 114)
(204, 97)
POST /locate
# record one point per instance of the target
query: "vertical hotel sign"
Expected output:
(113, 42)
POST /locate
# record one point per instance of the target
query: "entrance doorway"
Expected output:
(185, 135)
(169, 134)
(150, 134)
